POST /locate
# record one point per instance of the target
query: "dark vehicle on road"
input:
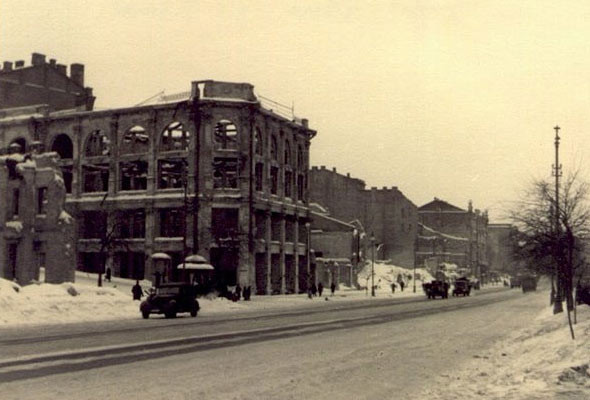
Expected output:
(462, 287)
(436, 288)
(528, 283)
(171, 298)
(515, 282)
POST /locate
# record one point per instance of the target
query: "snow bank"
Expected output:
(386, 274)
(539, 362)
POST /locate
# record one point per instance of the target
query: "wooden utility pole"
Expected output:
(557, 305)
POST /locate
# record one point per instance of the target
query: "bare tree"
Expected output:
(551, 239)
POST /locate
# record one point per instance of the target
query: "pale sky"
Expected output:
(453, 99)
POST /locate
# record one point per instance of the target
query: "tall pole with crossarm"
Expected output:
(557, 306)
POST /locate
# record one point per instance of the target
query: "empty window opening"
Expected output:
(258, 176)
(171, 222)
(63, 146)
(18, 145)
(175, 137)
(131, 223)
(274, 180)
(98, 144)
(42, 200)
(274, 149)
(258, 144)
(172, 173)
(134, 175)
(93, 224)
(15, 202)
(135, 140)
(225, 224)
(225, 172)
(226, 134)
(288, 183)
(95, 178)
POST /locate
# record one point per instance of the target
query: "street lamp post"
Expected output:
(415, 249)
(372, 265)
(557, 306)
(308, 252)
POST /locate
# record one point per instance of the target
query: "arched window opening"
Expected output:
(300, 157)
(18, 145)
(226, 134)
(175, 137)
(98, 144)
(287, 153)
(63, 146)
(259, 144)
(274, 150)
(135, 140)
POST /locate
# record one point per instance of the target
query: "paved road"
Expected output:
(441, 333)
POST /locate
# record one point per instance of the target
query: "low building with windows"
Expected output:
(212, 171)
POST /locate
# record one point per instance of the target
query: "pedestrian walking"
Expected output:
(320, 289)
(392, 287)
(333, 288)
(137, 291)
(238, 291)
(107, 275)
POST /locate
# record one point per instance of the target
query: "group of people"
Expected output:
(239, 292)
(319, 289)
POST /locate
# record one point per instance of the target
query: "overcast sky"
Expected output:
(453, 99)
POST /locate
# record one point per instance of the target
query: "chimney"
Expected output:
(19, 64)
(77, 73)
(333, 169)
(62, 69)
(348, 174)
(38, 59)
(7, 66)
(305, 123)
(322, 167)
(52, 62)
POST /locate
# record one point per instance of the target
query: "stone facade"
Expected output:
(451, 234)
(44, 83)
(211, 171)
(35, 231)
(385, 212)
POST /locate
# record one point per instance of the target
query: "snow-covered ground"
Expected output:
(82, 301)
(539, 362)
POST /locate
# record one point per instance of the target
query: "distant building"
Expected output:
(211, 171)
(500, 247)
(44, 83)
(454, 235)
(386, 212)
(35, 230)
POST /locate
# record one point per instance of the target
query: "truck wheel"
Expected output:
(194, 311)
(145, 314)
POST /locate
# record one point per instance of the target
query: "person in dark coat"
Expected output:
(107, 275)
(392, 287)
(320, 289)
(314, 289)
(137, 291)
(333, 288)
(239, 291)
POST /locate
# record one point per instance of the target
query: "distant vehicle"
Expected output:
(528, 283)
(436, 288)
(515, 282)
(171, 298)
(462, 287)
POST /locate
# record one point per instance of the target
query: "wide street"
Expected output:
(367, 349)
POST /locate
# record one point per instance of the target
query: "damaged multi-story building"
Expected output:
(35, 231)
(385, 213)
(212, 171)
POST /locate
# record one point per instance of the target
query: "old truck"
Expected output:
(436, 288)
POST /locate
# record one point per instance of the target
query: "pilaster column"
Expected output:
(282, 254)
(267, 239)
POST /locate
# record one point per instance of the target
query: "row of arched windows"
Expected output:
(274, 150)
